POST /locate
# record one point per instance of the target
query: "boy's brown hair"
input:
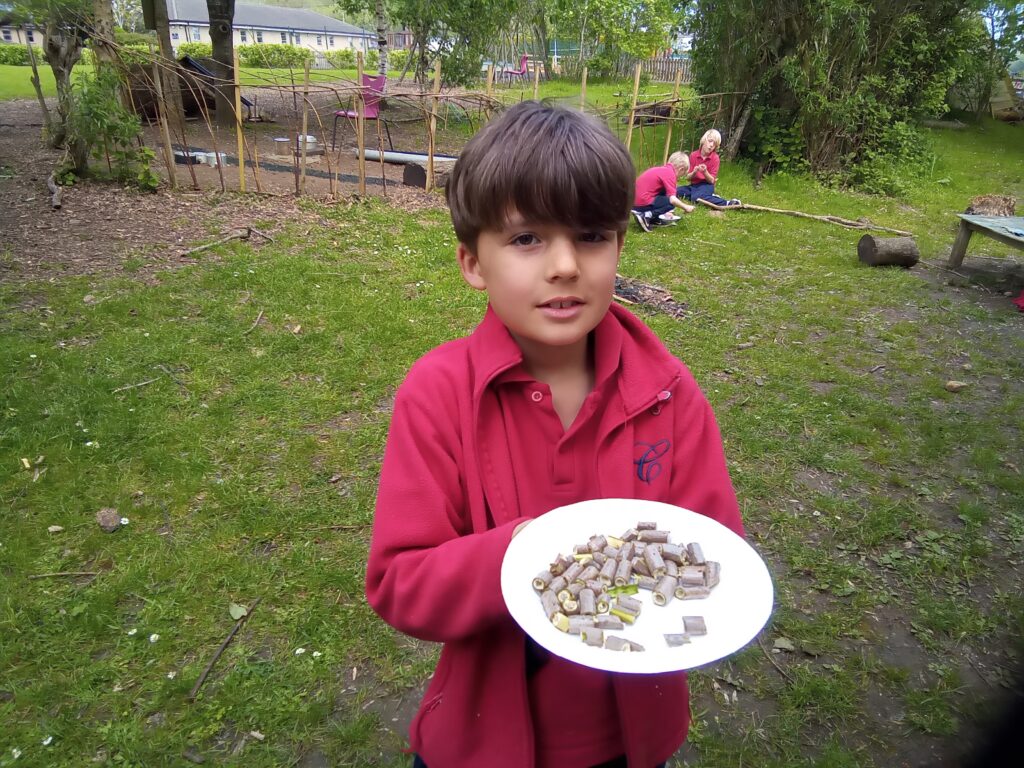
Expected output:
(548, 164)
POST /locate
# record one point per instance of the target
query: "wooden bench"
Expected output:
(1006, 229)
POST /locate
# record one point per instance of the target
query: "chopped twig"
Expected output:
(334, 528)
(234, 630)
(784, 673)
(134, 386)
(56, 192)
(254, 324)
(264, 235)
(63, 573)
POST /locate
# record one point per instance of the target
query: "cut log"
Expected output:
(888, 251)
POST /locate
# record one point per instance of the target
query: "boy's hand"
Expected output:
(520, 527)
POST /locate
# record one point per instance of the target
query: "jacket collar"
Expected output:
(645, 366)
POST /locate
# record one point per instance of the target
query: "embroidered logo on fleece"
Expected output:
(648, 466)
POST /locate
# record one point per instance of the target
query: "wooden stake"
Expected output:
(490, 89)
(360, 112)
(432, 130)
(632, 109)
(536, 81)
(583, 90)
(671, 112)
(161, 108)
(238, 129)
(305, 123)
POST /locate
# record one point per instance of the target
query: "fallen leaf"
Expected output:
(784, 644)
(55, 528)
(955, 386)
(237, 611)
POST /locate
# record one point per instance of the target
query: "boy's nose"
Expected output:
(562, 262)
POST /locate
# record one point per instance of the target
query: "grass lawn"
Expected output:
(235, 413)
(15, 82)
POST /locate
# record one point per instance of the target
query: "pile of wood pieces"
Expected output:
(629, 291)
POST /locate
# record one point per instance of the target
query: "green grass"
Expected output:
(15, 82)
(889, 509)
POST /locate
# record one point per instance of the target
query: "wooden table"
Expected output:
(1006, 229)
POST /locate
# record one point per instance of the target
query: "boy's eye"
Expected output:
(593, 237)
(527, 238)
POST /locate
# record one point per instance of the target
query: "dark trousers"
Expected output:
(658, 206)
(618, 762)
(694, 192)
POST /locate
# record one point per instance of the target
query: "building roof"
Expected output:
(264, 17)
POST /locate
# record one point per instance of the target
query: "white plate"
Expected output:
(735, 612)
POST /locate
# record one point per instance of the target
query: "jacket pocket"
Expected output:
(432, 700)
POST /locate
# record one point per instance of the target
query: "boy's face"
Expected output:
(708, 146)
(550, 284)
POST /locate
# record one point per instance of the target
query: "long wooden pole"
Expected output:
(238, 129)
(536, 81)
(583, 90)
(671, 112)
(632, 109)
(360, 112)
(305, 123)
(433, 126)
(490, 89)
(165, 131)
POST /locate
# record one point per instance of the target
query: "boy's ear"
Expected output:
(469, 265)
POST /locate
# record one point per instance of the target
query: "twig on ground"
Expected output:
(239, 235)
(334, 528)
(228, 639)
(829, 218)
(264, 235)
(254, 324)
(134, 386)
(63, 573)
(768, 655)
(56, 192)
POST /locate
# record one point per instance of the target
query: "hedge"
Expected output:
(196, 50)
(273, 55)
(17, 55)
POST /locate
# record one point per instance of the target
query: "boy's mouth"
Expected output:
(561, 303)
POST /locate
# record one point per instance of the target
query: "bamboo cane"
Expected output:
(305, 124)
(490, 89)
(360, 113)
(632, 109)
(536, 81)
(671, 110)
(583, 90)
(433, 126)
(238, 128)
(165, 131)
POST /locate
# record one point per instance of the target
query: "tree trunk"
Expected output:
(103, 32)
(222, 14)
(888, 251)
(382, 38)
(169, 68)
(732, 146)
(540, 32)
(62, 46)
(420, 36)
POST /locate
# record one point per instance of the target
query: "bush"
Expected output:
(196, 50)
(372, 59)
(130, 54)
(398, 58)
(273, 56)
(17, 55)
(343, 59)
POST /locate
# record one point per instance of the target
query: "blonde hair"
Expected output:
(679, 161)
(714, 135)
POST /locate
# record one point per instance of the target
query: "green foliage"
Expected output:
(343, 59)
(110, 131)
(129, 53)
(17, 56)
(197, 50)
(397, 58)
(636, 27)
(372, 59)
(273, 55)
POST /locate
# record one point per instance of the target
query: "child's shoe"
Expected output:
(643, 219)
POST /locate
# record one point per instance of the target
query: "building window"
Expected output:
(175, 36)
(198, 32)
(330, 41)
(243, 35)
(30, 35)
(319, 40)
(298, 38)
(7, 35)
(259, 36)
(284, 37)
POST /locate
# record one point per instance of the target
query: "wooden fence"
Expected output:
(661, 69)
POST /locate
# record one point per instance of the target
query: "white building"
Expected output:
(190, 23)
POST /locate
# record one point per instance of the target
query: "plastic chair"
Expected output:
(373, 91)
(520, 72)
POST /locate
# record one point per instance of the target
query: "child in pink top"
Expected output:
(656, 193)
(703, 172)
(558, 396)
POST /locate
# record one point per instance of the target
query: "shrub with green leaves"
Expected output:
(398, 58)
(343, 59)
(273, 55)
(17, 56)
(196, 50)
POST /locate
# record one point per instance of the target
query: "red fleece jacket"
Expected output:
(446, 509)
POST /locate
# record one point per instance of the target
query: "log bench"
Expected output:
(1008, 230)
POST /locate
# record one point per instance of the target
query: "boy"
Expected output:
(558, 396)
(656, 192)
(704, 164)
